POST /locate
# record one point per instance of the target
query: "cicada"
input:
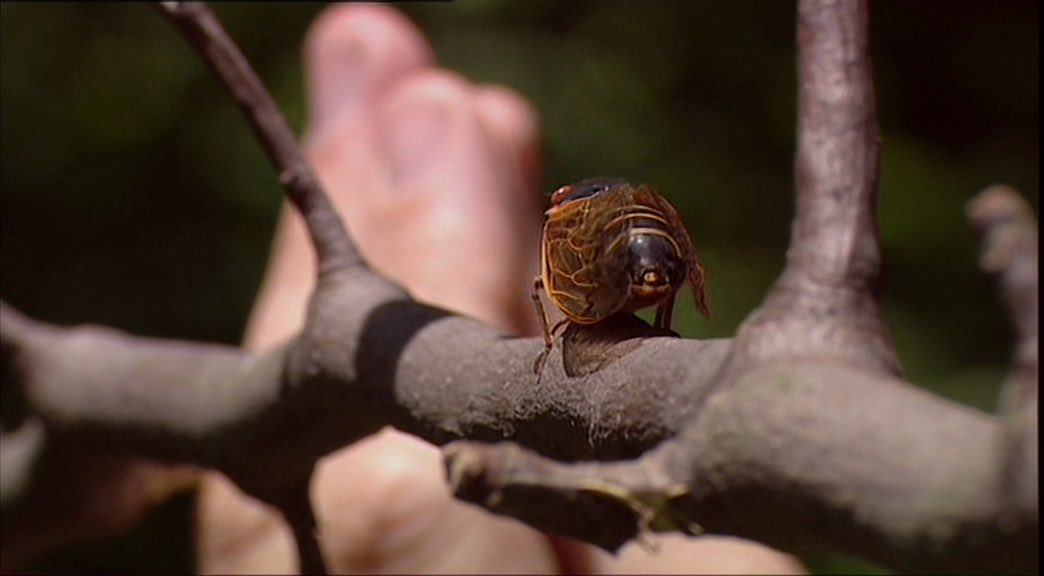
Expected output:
(610, 247)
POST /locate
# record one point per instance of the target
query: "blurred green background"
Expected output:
(134, 195)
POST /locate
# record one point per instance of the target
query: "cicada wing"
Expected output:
(587, 276)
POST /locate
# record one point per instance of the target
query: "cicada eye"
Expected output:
(584, 189)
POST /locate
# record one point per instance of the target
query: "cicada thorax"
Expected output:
(609, 247)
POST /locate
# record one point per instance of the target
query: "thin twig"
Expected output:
(201, 27)
(1010, 250)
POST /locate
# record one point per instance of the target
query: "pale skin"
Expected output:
(438, 180)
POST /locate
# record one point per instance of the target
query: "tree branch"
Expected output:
(202, 29)
(891, 474)
(1010, 250)
(213, 405)
(829, 293)
(798, 433)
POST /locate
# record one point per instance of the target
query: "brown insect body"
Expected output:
(609, 247)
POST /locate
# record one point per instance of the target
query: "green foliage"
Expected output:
(134, 195)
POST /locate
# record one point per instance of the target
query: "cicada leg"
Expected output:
(665, 314)
(538, 286)
(549, 331)
(538, 365)
(541, 360)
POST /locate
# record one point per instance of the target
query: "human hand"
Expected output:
(438, 181)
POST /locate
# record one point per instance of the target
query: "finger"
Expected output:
(397, 516)
(515, 125)
(353, 53)
(676, 553)
(426, 122)
(455, 176)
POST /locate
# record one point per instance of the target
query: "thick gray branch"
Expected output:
(869, 464)
(391, 361)
(890, 473)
